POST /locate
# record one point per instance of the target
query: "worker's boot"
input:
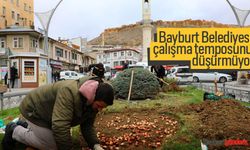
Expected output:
(8, 143)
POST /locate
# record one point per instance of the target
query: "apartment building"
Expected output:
(16, 13)
(24, 48)
(81, 42)
(118, 56)
(80, 57)
(65, 57)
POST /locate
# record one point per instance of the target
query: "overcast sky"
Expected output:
(88, 18)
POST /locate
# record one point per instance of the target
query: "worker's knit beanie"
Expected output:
(105, 92)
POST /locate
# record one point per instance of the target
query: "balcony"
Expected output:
(72, 61)
(41, 51)
(4, 52)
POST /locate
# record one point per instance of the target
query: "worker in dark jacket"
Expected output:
(51, 111)
(6, 79)
(97, 70)
(13, 75)
(160, 73)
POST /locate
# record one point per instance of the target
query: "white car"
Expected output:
(70, 75)
(180, 73)
(107, 75)
(212, 76)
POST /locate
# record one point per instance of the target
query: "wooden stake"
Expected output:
(130, 86)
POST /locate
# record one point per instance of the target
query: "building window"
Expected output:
(29, 9)
(108, 55)
(17, 3)
(65, 54)
(59, 52)
(25, 21)
(33, 43)
(17, 42)
(115, 54)
(135, 54)
(100, 56)
(129, 53)
(74, 56)
(18, 17)
(29, 70)
(122, 62)
(13, 14)
(2, 43)
(12, 1)
(116, 63)
(25, 7)
(4, 11)
(122, 53)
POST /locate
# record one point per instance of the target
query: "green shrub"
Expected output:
(145, 84)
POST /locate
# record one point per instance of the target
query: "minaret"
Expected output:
(146, 28)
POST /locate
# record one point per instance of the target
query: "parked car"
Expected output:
(107, 75)
(212, 76)
(70, 75)
(137, 66)
(180, 73)
(116, 74)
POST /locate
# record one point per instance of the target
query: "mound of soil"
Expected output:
(222, 120)
(135, 129)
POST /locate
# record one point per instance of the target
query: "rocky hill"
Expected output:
(131, 35)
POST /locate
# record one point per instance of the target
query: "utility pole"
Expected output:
(45, 18)
(241, 16)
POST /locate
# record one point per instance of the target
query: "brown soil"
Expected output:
(135, 129)
(148, 129)
(224, 119)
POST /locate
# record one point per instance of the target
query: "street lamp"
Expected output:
(45, 18)
(241, 16)
(8, 66)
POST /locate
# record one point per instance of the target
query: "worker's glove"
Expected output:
(98, 147)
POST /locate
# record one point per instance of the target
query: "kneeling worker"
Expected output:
(51, 111)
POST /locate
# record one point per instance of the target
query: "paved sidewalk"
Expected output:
(13, 97)
(235, 84)
(17, 90)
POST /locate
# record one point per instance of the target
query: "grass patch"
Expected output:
(184, 139)
(187, 96)
(244, 103)
(9, 113)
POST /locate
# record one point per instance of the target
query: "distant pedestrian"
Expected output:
(53, 76)
(6, 79)
(13, 75)
(57, 76)
(125, 65)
